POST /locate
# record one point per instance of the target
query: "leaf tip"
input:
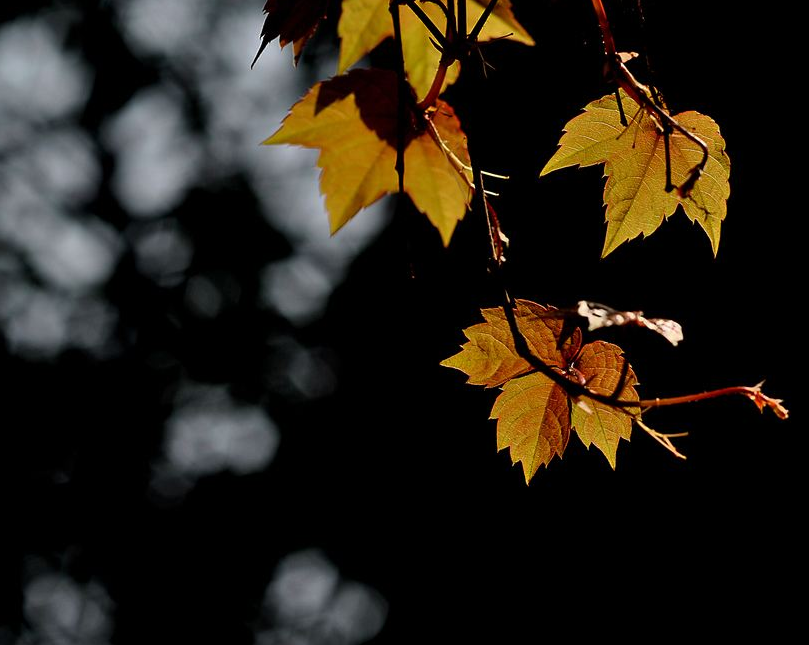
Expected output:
(275, 138)
(550, 166)
(449, 362)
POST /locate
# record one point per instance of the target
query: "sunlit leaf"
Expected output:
(364, 24)
(601, 366)
(635, 166)
(352, 119)
(534, 413)
(489, 358)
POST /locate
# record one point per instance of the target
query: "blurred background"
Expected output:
(222, 425)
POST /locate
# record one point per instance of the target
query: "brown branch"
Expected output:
(643, 96)
(431, 27)
(403, 90)
(573, 388)
(482, 20)
(753, 393)
(435, 88)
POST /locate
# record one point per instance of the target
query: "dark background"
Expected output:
(392, 473)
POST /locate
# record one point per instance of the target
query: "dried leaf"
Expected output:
(599, 316)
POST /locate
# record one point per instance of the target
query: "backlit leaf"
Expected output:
(364, 24)
(535, 414)
(601, 365)
(489, 357)
(352, 119)
(533, 421)
(635, 166)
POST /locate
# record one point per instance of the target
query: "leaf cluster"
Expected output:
(386, 131)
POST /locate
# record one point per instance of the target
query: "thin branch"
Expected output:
(575, 389)
(663, 439)
(643, 96)
(482, 20)
(647, 58)
(431, 27)
(403, 88)
(459, 166)
(753, 393)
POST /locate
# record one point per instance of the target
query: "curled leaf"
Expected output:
(598, 316)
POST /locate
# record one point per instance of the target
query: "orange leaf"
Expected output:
(534, 413)
(601, 365)
(533, 421)
(352, 119)
(490, 358)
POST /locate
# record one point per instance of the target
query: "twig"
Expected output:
(643, 96)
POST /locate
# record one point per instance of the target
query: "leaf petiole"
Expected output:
(482, 21)
(429, 24)
(645, 97)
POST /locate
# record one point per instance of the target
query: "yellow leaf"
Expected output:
(635, 165)
(489, 357)
(533, 421)
(364, 24)
(534, 413)
(601, 365)
(352, 119)
(420, 55)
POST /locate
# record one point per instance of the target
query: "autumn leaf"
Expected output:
(535, 414)
(352, 119)
(601, 365)
(635, 166)
(291, 21)
(490, 358)
(364, 24)
(533, 421)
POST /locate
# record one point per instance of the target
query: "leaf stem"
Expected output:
(431, 27)
(438, 83)
(574, 388)
(753, 393)
(661, 438)
(401, 108)
(643, 96)
(482, 20)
